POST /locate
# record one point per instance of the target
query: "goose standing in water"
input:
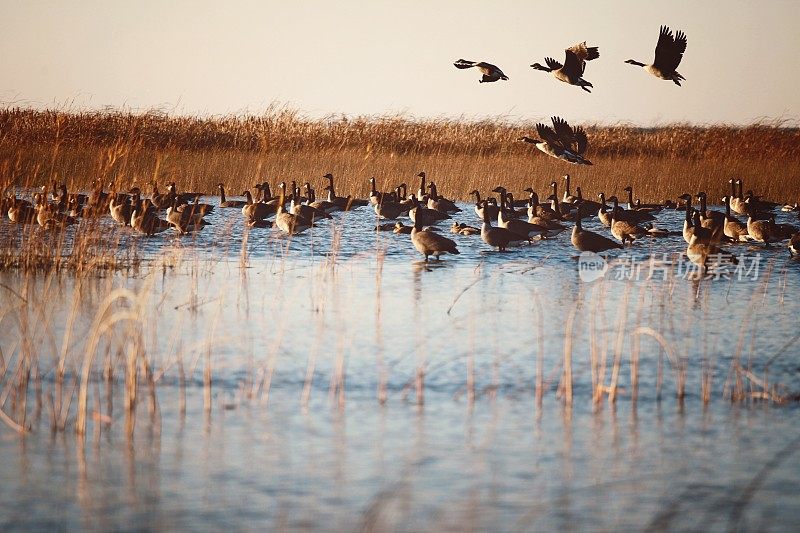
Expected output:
(738, 205)
(184, 221)
(638, 205)
(499, 238)
(287, 222)
(431, 243)
(440, 203)
(568, 198)
(700, 253)
(425, 216)
(224, 202)
(253, 212)
(561, 141)
(345, 203)
(733, 228)
(761, 231)
(574, 65)
(490, 72)
(480, 206)
(669, 52)
(120, 209)
(520, 227)
(589, 241)
(388, 209)
(21, 211)
(624, 230)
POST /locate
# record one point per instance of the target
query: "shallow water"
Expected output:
(305, 339)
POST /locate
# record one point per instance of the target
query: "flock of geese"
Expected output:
(295, 209)
(561, 141)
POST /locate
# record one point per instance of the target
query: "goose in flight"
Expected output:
(489, 71)
(669, 52)
(574, 64)
(561, 141)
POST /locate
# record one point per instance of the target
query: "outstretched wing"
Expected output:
(573, 64)
(552, 64)
(463, 63)
(580, 140)
(564, 132)
(547, 134)
(579, 53)
(669, 50)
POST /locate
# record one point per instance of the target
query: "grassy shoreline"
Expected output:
(129, 149)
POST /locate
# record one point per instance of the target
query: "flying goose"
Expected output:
(431, 243)
(499, 238)
(224, 202)
(490, 72)
(700, 253)
(561, 141)
(589, 241)
(669, 52)
(733, 228)
(574, 65)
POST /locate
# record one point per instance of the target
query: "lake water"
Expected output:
(354, 386)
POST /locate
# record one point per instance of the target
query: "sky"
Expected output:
(395, 57)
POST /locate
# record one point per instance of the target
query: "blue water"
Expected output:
(317, 419)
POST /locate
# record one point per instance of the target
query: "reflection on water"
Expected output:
(342, 383)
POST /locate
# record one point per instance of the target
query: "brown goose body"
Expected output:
(589, 241)
(431, 243)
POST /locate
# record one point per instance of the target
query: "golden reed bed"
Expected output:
(132, 149)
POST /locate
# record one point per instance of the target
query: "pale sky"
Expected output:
(384, 57)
